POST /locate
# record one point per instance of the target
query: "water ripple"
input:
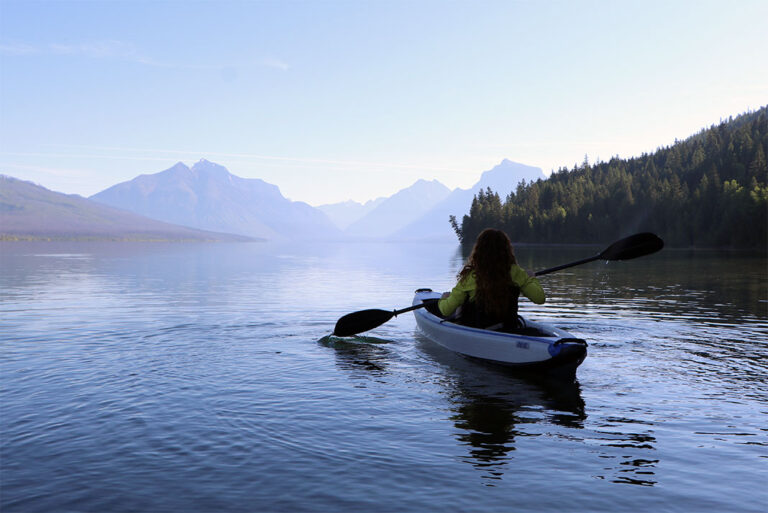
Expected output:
(204, 379)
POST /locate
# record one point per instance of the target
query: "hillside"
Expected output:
(709, 190)
(32, 212)
(207, 196)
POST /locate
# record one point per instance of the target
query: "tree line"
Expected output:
(710, 190)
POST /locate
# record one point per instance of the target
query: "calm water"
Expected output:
(201, 378)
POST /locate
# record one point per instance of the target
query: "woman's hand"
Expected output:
(531, 274)
(445, 295)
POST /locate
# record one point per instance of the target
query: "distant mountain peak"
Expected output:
(179, 169)
(504, 177)
(208, 196)
(178, 166)
(507, 164)
(204, 163)
(422, 184)
(207, 167)
(399, 209)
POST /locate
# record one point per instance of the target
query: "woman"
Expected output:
(490, 283)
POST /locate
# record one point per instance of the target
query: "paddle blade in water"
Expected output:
(634, 246)
(358, 322)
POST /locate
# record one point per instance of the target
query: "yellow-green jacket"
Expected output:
(529, 287)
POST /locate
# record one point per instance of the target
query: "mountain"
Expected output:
(398, 210)
(433, 224)
(29, 211)
(207, 196)
(347, 212)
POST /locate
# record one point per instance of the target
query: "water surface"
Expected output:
(202, 378)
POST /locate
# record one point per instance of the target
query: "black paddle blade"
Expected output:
(634, 246)
(358, 322)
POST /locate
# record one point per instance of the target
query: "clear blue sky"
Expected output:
(336, 100)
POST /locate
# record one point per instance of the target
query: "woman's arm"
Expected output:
(529, 285)
(456, 298)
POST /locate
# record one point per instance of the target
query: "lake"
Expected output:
(186, 377)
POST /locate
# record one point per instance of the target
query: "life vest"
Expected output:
(472, 315)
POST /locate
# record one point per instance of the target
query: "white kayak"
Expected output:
(535, 347)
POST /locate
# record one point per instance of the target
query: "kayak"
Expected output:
(534, 347)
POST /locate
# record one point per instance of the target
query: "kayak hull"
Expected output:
(535, 348)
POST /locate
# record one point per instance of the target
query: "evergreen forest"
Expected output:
(710, 190)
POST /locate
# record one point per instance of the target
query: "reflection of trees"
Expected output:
(701, 284)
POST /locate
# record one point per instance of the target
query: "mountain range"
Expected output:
(208, 197)
(32, 212)
(345, 213)
(421, 211)
(397, 211)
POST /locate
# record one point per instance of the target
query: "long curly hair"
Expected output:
(490, 259)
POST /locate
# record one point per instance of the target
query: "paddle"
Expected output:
(634, 246)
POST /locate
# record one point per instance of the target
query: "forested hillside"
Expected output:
(710, 190)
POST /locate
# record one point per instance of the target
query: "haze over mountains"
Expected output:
(347, 212)
(426, 218)
(503, 179)
(29, 211)
(400, 209)
(208, 197)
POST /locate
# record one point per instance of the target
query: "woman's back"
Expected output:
(472, 314)
(490, 284)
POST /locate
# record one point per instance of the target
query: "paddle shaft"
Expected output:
(566, 266)
(634, 246)
(414, 307)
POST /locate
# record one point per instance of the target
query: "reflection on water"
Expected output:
(492, 414)
(492, 409)
(200, 378)
(719, 287)
(361, 353)
(631, 436)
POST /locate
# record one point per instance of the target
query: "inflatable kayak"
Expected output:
(534, 347)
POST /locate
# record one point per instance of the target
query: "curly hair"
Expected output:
(491, 259)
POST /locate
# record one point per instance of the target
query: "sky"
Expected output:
(339, 100)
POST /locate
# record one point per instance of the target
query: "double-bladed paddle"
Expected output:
(634, 246)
